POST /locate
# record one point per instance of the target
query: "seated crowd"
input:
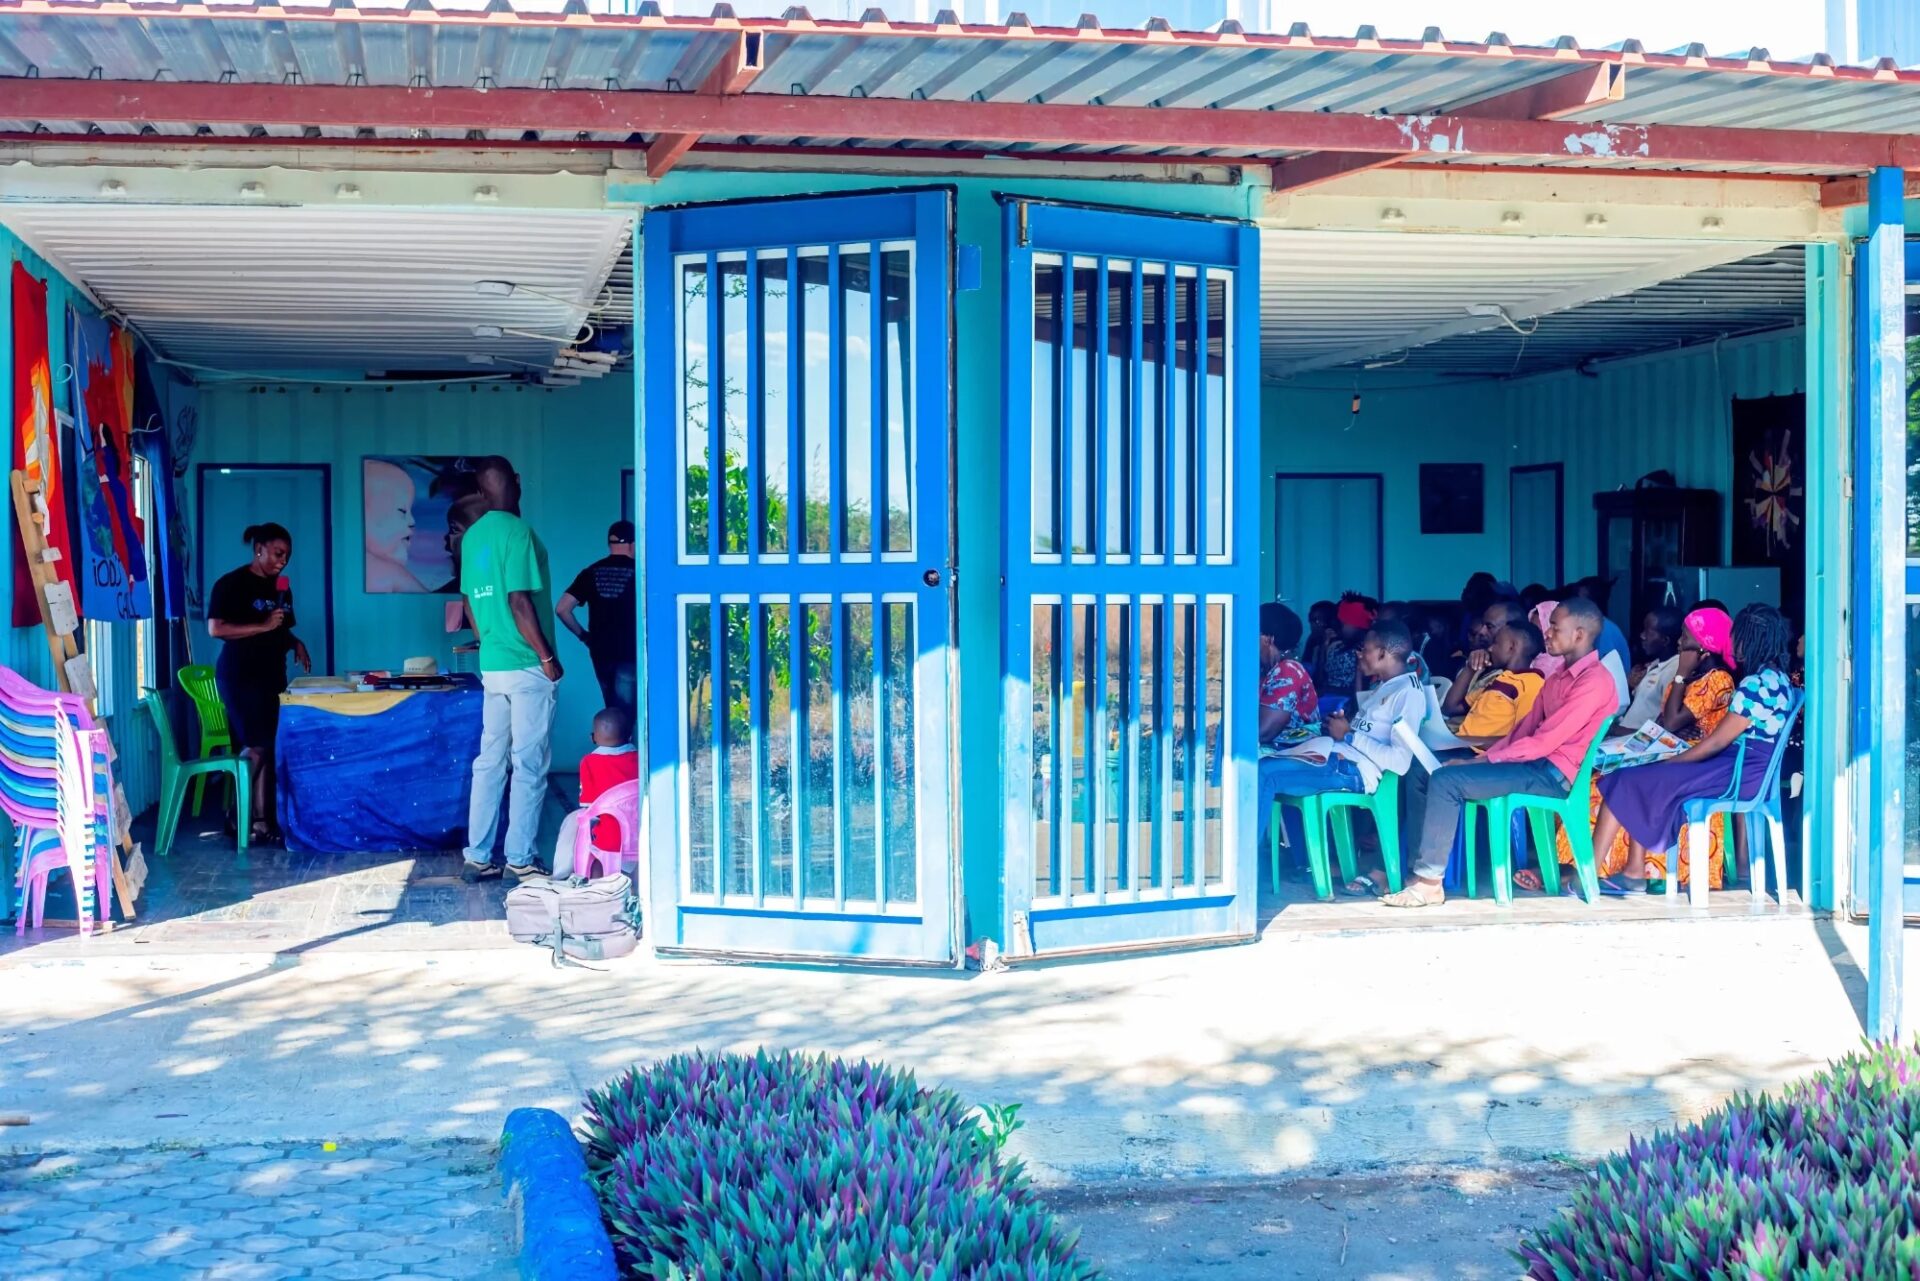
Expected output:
(1526, 682)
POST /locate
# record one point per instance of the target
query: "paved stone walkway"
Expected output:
(256, 1213)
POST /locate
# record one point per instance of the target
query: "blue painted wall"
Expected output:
(569, 445)
(25, 648)
(1670, 412)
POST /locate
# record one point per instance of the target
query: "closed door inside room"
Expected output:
(234, 497)
(1327, 536)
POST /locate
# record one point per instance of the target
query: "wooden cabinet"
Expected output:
(1644, 533)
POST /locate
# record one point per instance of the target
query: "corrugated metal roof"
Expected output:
(497, 47)
(331, 289)
(1334, 298)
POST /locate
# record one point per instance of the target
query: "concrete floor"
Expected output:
(1408, 1226)
(303, 998)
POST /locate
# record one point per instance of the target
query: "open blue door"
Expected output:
(796, 438)
(1130, 658)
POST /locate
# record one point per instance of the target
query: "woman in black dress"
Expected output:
(251, 613)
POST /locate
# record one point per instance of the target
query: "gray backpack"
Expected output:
(591, 920)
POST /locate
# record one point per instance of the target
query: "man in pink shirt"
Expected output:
(1539, 758)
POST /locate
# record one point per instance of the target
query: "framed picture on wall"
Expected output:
(414, 507)
(1453, 498)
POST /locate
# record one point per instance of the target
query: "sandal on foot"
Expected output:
(1621, 887)
(1416, 895)
(1361, 887)
(1528, 879)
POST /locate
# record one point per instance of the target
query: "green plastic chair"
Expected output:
(1336, 808)
(216, 736)
(175, 774)
(1541, 811)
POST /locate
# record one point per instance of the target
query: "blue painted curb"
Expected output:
(556, 1217)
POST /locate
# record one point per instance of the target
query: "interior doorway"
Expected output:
(1537, 532)
(232, 496)
(1314, 565)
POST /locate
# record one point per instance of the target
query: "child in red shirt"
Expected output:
(612, 761)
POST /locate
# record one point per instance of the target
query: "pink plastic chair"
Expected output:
(621, 802)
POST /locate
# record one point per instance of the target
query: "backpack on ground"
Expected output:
(580, 919)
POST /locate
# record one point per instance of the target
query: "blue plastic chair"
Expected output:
(1763, 807)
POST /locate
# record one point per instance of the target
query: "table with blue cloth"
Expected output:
(379, 771)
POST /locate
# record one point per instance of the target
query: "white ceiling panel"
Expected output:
(1334, 298)
(314, 290)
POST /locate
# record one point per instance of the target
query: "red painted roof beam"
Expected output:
(736, 69)
(1565, 95)
(783, 115)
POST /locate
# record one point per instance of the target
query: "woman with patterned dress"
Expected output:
(1648, 802)
(1693, 707)
(1289, 704)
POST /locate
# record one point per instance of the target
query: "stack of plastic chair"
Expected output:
(56, 788)
(621, 803)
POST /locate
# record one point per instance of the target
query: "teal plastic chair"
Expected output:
(1572, 812)
(175, 774)
(216, 736)
(1335, 809)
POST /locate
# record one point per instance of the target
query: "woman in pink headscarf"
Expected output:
(1703, 682)
(1542, 616)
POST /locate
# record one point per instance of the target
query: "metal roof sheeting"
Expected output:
(463, 46)
(327, 289)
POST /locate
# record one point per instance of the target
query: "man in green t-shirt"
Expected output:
(503, 574)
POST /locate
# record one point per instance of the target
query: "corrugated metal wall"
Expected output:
(25, 648)
(1666, 413)
(570, 447)
(1658, 413)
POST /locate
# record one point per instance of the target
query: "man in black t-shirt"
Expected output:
(606, 589)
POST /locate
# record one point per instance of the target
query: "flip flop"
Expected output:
(1361, 887)
(1619, 887)
(1538, 887)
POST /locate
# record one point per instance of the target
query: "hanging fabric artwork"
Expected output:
(36, 441)
(113, 585)
(154, 398)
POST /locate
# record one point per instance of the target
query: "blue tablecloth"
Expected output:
(396, 779)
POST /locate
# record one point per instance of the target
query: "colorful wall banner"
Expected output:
(36, 440)
(113, 584)
(158, 402)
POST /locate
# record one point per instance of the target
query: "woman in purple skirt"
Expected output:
(1649, 801)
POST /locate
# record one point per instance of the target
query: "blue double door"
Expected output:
(798, 435)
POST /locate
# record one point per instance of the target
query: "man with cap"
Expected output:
(606, 589)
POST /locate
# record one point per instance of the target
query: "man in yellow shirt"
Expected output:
(1499, 704)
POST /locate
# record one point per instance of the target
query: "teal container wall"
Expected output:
(25, 650)
(978, 324)
(569, 445)
(1401, 424)
(1671, 412)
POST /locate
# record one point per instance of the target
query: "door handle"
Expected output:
(931, 578)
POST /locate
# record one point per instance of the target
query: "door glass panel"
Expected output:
(1046, 817)
(901, 773)
(1084, 762)
(1155, 384)
(738, 801)
(1219, 459)
(857, 770)
(776, 762)
(819, 830)
(693, 400)
(1183, 437)
(1047, 279)
(773, 357)
(1186, 731)
(1120, 405)
(897, 368)
(1113, 776)
(697, 617)
(856, 321)
(1151, 776)
(733, 402)
(816, 319)
(1214, 819)
(1911, 843)
(1084, 373)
